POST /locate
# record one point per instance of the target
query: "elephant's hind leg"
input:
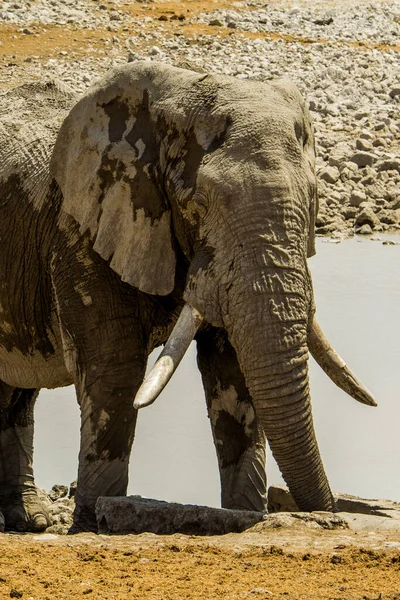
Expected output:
(239, 442)
(19, 503)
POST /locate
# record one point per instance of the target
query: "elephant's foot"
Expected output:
(84, 520)
(23, 512)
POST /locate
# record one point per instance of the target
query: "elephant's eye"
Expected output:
(200, 203)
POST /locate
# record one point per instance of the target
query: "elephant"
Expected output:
(165, 205)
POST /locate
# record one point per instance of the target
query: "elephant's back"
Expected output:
(30, 116)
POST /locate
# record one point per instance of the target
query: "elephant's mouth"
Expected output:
(188, 324)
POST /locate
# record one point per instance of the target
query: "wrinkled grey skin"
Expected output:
(166, 186)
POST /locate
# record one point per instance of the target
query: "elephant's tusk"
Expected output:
(178, 342)
(335, 367)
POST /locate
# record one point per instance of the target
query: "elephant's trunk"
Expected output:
(280, 391)
(271, 346)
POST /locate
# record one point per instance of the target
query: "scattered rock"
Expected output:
(155, 51)
(363, 145)
(357, 197)
(329, 174)
(389, 217)
(336, 559)
(216, 23)
(392, 164)
(58, 491)
(72, 489)
(280, 500)
(367, 217)
(364, 229)
(326, 21)
(339, 154)
(349, 212)
(363, 159)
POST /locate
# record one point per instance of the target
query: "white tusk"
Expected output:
(335, 367)
(178, 342)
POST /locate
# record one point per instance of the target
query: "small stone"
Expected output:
(216, 23)
(155, 51)
(395, 92)
(362, 114)
(367, 217)
(336, 559)
(392, 164)
(27, 31)
(395, 204)
(339, 154)
(379, 143)
(364, 145)
(16, 593)
(363, 159)
(364, 230)
(58, 491)
(349, 165)
(323, 21)
(349, 212)
(72, 489)
(388, 217)
(163, 18)
(330, 174)
(357, 197)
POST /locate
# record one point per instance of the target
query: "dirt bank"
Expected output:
(278, 564)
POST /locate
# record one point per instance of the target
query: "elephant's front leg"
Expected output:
(239, 442)
(106, 387)
(19, 503)
(105, 347)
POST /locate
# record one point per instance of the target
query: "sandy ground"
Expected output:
(288, 564)
(291, 564)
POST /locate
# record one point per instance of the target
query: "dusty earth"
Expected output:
(294, 563)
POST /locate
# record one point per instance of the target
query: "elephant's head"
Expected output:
(154, 158)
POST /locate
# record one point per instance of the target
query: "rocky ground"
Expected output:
(344, 56)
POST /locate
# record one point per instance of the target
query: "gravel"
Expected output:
(344, 57)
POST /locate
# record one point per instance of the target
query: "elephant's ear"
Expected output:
(309, 152)
(301, 115)
(104, 162)
(311, 230)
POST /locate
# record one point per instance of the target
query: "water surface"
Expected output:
(357, 289)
